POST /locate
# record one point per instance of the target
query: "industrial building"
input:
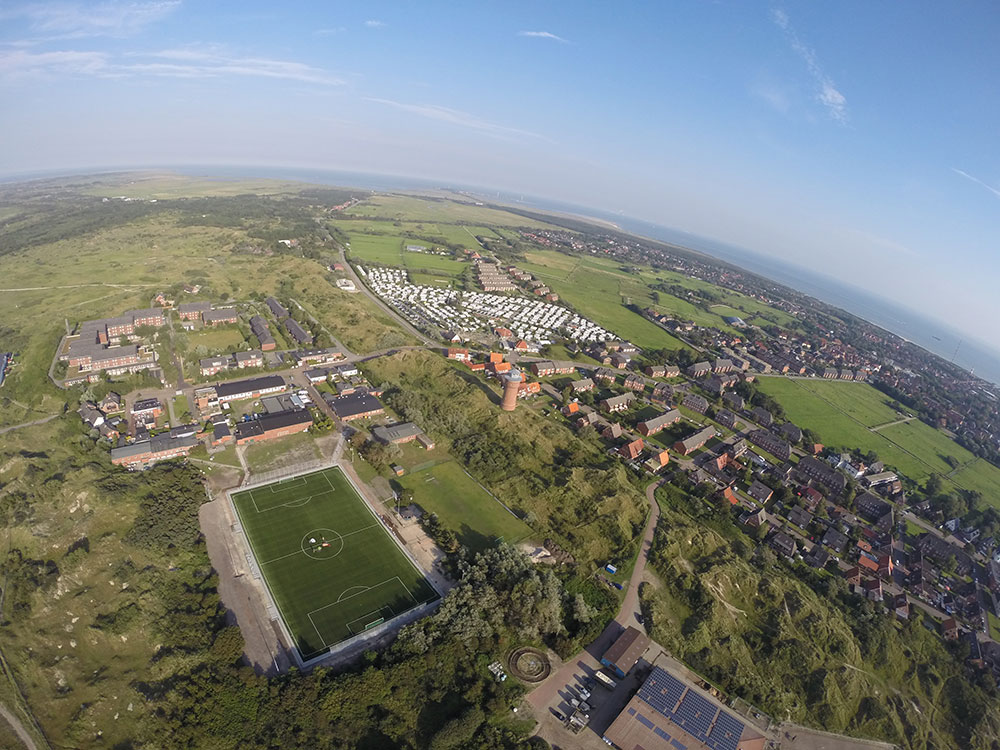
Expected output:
(669, 714)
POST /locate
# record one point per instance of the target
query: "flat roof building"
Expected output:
(669, 714)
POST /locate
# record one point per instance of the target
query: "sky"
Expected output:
(856, 139)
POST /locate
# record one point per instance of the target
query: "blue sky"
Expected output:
(857, 139)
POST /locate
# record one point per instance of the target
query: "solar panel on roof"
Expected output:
(678, 745)
(660, 733)
(644, 721)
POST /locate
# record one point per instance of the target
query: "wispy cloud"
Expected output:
(177, 63)
(374, 24)
(457, 117)
(827, 94)
(883, 243)
(543, 35)
(69, 20)
(773, 95)
(976, 180)
(21, 63)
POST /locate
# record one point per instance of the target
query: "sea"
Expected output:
(934, 335)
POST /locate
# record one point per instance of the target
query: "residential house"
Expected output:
(734, 400)
(662, 392)
(771, 443)
(617, 403)
(657, 424)
(800, 517)
(605, 375)
(726, 418)
(219, 317)
(632, 450)
(239, 390)
(193, 310)
(213, 365)
(783, 544)
(278, 310)
(700, 370)
(111, 403)
(582, 385)
(252, 358)
(635, 382)
(696, 403)
(761, 416)
(760, 492)
(695, 441)
(792, 433)
(297, 332)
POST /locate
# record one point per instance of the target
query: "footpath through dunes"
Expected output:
(629, 615)
(327, 560)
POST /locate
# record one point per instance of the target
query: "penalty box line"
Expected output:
(291, 503)
(370, 588)
(300, 551)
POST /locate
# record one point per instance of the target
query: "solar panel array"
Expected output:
(694, 713)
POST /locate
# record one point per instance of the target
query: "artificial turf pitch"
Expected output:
(329, 563)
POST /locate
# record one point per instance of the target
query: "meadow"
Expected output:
(843, 414)
(463, 506)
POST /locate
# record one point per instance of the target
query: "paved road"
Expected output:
(401, 321)
(627, 615)
(18, 727)
(28, 424)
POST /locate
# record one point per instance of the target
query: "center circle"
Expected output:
(322, 544)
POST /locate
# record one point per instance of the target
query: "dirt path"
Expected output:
(28, 424)
(904, 420)
(71, 286)
(262, 649)
(18, 727)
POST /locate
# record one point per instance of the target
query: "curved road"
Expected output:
(15, 724)
(548, 691)
(363, 288)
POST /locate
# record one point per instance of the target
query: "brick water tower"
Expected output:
(512, 382)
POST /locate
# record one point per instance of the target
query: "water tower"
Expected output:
(512, 381)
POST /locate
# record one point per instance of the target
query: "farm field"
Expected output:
(597, 295)
(837, 412)
(931, 445)
(463, 506)
(980, 476)
(815, 396)
(439, 210)
(329, 563)
(555, 267)
(387, 249)
(377, 248)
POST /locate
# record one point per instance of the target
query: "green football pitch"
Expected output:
(329, 562)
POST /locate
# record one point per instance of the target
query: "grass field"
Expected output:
(329, 563)
(462, 505)
(216, 339)
(842, 414)
(407, 208)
